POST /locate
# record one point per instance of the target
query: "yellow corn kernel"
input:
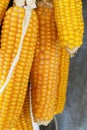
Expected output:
(62, 80)
(12, 99)
(24, 122)
(3, 7)
(69, 21)
(44, 71)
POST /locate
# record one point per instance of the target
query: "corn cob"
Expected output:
(12, 99)
(62, 80)
(24, 122)
(45, 67)
(3, 7)
(69, 21)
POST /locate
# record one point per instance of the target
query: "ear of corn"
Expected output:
(69, 21)
(12, 99)
(24, 122)
(3, 7)
(45, 68)
(62, 80)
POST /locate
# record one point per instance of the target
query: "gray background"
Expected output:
(74, 116)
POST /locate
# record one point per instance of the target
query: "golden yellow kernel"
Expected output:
(45, 63)
(69, 19)
(12, 98)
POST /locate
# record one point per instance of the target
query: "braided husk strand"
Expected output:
(20, 3)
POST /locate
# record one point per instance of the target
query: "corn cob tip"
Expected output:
(45, 123)
(73, 51)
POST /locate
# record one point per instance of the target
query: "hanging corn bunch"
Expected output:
(3, 7)
(62, 80)
(18, 40)
(24, 122)
(69, 21)
(44, 73)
